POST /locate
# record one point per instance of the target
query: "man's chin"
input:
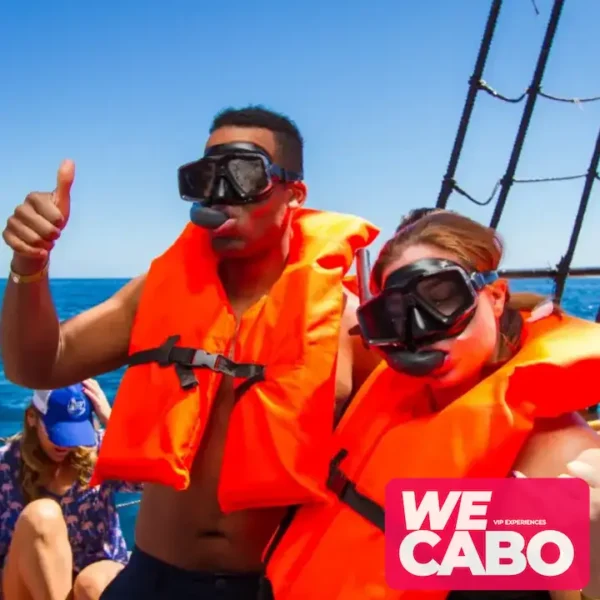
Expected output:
(229, 247)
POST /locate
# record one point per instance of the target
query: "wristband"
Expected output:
(33, 278)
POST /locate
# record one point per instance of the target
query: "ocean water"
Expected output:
(72, 296)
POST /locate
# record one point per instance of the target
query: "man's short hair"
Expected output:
(289, 141)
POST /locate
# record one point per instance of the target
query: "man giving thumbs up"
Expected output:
(237, 346)
(36, 225)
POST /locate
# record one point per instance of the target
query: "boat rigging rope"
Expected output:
(488, 89)
(455, 187)
(535, 8)
(478, 84)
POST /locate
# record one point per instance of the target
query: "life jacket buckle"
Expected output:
(185, 360)
(201, 359)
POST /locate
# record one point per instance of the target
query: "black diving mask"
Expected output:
(422, 303)
(229, 174)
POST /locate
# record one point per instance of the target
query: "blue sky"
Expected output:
(127, 89)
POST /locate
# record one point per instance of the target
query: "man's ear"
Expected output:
(298, 194)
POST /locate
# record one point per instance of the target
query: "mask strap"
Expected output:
(480, 279)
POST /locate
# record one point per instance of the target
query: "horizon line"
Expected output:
(125, 278)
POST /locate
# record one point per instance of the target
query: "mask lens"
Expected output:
(197, 179)
(249, 174)
(395, 307)
(374, 321)
(447, 293)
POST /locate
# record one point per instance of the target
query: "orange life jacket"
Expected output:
(351, 284)
(283, 363)
(336, 549)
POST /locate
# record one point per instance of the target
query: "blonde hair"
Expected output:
(37, 470)
(476, 248)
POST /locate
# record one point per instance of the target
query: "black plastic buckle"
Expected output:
(201, 359)
(215, 362)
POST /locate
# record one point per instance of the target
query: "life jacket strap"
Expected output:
(186, 360)
(346, 491)
(266, 588)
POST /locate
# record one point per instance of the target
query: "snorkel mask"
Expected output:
(228, 174)
(422, 303)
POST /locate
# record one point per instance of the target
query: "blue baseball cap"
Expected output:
(67, 414)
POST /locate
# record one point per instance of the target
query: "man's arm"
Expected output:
(362, 361)
(40, 352)
(554, 443)
(37, 350)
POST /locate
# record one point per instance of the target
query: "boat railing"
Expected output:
(128, 503)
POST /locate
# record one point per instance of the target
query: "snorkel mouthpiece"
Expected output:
(206, 217)
(416, 363)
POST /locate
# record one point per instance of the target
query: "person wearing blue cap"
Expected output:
(58, 536)
(67, 417)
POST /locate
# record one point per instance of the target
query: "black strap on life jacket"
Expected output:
(346, 491)
(186, 360)
(265, 591)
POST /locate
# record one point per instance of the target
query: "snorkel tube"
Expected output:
(206, 217)
(363, 274)
(417, 363)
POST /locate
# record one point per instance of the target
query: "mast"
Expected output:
(564, 265)
(532, 94)
(474, 86)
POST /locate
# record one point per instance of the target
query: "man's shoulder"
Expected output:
(351, 304)
(364, 359)
(349, 330)
(126, 299)
(130, 293)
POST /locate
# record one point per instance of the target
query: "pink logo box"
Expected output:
(487, 534)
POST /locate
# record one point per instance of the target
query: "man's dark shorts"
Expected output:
(147, 578)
